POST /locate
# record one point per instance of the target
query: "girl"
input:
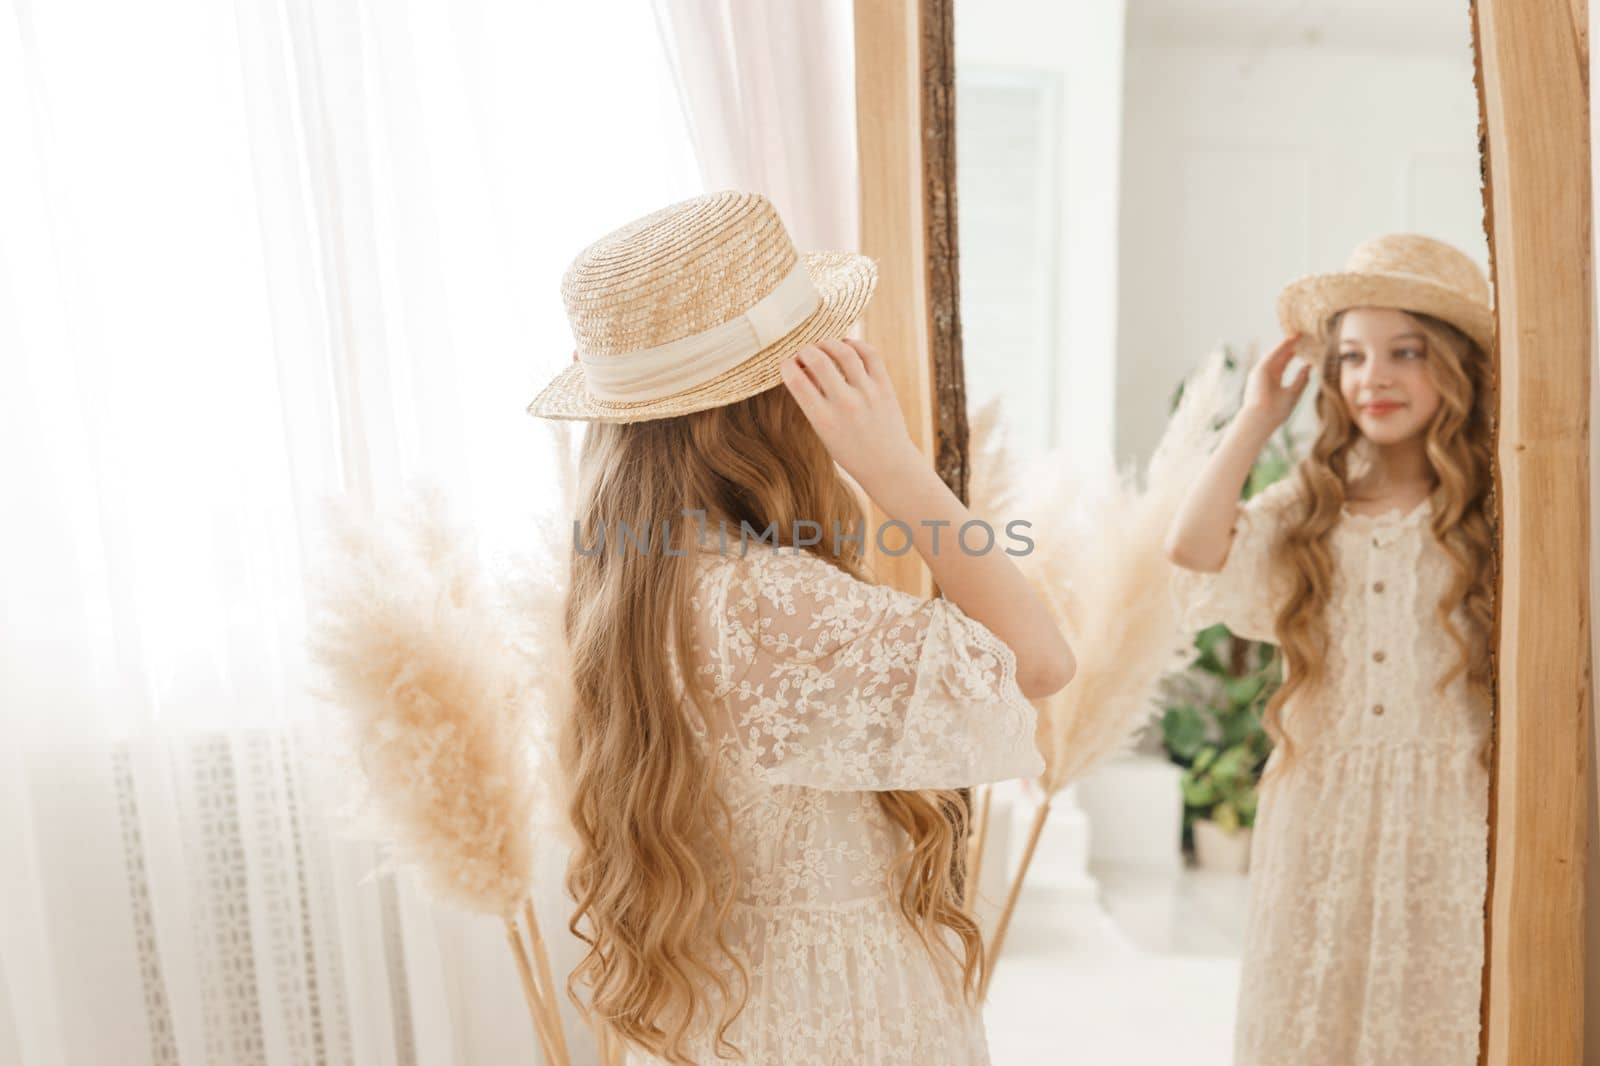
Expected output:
(1371, 568)
(764, 744)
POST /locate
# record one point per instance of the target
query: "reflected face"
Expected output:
(1383, 374)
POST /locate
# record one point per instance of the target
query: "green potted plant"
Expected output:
(1212, 728)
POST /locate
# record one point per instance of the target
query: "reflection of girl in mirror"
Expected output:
(1371, 567)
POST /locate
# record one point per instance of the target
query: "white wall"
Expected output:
(1080, 45)
(1250, 159)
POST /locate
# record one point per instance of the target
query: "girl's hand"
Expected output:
(844, 390)
(1267, 400)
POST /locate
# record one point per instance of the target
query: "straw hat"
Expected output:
(696, 306)
(1402, 271)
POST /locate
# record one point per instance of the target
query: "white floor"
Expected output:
(1145, 975)
(1192, 912)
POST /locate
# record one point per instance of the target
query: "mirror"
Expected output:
(1138, 182)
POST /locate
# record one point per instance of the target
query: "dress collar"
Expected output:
(1389, 526)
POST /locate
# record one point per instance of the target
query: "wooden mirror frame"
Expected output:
(1533, 85)
(908, 224)
(1532, 79)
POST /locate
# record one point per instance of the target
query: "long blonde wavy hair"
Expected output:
(653, 871)
(1459, 451)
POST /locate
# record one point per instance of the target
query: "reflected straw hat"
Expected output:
(696, 306)
(1403, 271)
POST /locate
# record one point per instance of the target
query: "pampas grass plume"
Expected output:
(435, 700)
(1100, 565)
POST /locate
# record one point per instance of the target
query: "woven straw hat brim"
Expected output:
(1305, 305)
(845, 283)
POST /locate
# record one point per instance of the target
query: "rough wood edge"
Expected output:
(1484, 178)
(944, 281)
(946, 370)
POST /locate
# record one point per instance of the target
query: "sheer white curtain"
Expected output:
(769, 91)
(252, 254)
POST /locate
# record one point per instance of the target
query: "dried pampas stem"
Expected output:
(980, 840)
(552, 1002)
(999, 940)
(610, 1046)
(530, 992)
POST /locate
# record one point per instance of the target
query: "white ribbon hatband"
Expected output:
(651, 373)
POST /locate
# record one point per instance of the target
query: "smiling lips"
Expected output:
(1381, 407)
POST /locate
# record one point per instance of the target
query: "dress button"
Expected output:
(1377, 708)
(1377, 586)
(1378, 656)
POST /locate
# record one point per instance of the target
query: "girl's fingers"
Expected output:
(823, 370)
(1271, 365)
(806, 361)
(1284, 352)
(1270, 369)
(871, 361)
(848, 361)
(800, 385)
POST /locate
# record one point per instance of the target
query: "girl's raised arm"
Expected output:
(1202, 531)
(845, 392)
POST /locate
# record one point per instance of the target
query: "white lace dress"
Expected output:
(1364, 943)
(832, 689)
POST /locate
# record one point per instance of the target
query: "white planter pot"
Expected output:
(1220, 851)
(1061, 859)
(1135, 808)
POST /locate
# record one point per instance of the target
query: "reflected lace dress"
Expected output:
(1364, 942)
(829, 689)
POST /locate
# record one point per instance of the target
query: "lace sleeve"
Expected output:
(1246, 593)
(834, 683)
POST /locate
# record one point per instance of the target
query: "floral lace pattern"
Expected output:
(1364, 945)
(826, 689)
